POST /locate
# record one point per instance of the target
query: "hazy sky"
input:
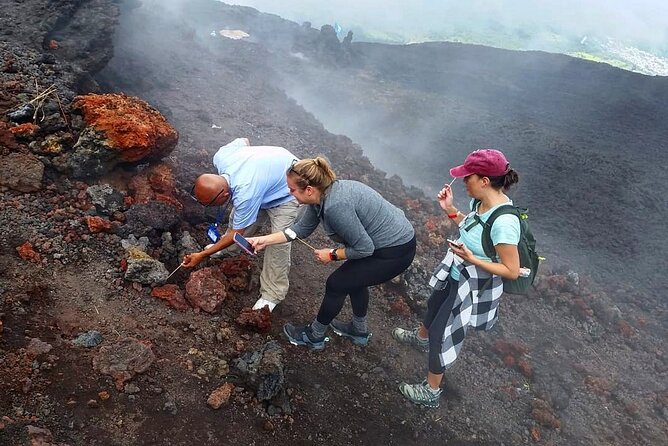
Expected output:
(641, 21)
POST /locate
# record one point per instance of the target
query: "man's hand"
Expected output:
(194, 259)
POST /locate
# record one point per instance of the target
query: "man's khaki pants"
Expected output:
(274, 281)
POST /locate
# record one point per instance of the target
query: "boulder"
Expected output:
(263, 370)
(144, 269)
(118, 129)
(123, 360)
(206, 289)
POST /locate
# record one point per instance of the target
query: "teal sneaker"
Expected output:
(410, 337)
(421, 394)
(348, 330)
(303, 335)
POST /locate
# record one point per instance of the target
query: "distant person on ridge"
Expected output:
(455, 303)
(376, 243)
(253, 178)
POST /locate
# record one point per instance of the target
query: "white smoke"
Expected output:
(641, 22)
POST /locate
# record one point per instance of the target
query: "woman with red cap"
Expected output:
(467, 284)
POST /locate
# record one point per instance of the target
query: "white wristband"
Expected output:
(290, 235)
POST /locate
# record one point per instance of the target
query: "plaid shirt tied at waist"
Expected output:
(476, 302)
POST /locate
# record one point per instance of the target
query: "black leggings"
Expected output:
(355, 276)
(439, 309)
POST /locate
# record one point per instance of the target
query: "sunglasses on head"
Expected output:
(299, 174)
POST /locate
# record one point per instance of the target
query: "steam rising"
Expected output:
(642, 22)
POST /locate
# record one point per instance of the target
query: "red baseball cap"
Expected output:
(485, 162)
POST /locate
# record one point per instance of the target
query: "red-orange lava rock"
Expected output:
(400, 308)
(625, 328)
(220, 396)
(535, 434)
(26, 252)
(235, 266)
(599, 385)
(509, 360)
(542, 413)
(525, 368)
(27, 129)
(98, 224)
(173, 295)
(157, 183)
(206, 289)
(504, 347)
(130, 125)
(7, 136)
(582, 308)
(258, 320)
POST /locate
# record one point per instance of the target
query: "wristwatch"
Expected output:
(332, 255)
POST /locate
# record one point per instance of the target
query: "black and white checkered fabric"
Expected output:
(471, 308)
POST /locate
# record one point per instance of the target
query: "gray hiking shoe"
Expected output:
(303, 335)
(348, 330)
(421, 394)
(411, 338)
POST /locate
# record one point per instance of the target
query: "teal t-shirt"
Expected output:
(506, 229)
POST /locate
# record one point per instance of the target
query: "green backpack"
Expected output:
(526, 246)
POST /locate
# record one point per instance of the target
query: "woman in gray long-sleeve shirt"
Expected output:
(378, 243)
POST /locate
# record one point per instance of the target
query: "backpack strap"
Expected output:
(487, 244)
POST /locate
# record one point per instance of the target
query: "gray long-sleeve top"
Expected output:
(357, 216)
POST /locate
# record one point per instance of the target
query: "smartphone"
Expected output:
(453, 242)
(243, 243)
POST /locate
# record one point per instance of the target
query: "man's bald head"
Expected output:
(211, 189)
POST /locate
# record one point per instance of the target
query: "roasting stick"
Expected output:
(177, 268)
(293, 234)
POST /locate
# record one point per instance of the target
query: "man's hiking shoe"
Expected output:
(303, 335)
(411, 338)
(262, 302)
(348, 330)
(421, 393)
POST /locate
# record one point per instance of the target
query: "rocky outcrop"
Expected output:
(118, 129)
(324, 45)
